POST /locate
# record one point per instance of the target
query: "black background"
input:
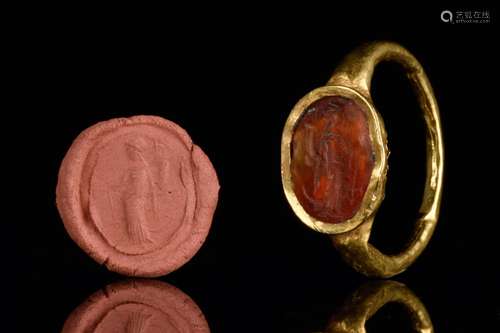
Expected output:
(230, 80)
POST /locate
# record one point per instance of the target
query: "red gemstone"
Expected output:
(332, 159)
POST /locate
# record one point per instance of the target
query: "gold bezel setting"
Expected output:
(375, 191)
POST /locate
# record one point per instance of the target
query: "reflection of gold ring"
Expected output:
(334, 160)
(369, 298)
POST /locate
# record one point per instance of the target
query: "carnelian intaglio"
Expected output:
(332, 158)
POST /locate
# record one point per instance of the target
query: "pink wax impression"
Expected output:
(137, 306)
(137, 195)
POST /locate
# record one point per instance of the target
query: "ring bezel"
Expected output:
(375, 191)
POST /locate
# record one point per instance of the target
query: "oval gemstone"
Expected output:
(331, 158)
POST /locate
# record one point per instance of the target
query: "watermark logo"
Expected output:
(446, 16)
(465, 16)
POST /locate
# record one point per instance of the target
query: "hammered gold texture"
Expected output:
(352, 79)
(369, 298)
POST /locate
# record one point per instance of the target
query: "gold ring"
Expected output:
(334, 160)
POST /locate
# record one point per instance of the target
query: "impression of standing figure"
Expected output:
(138, 191)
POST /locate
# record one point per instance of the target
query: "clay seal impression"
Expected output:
(138, 307)
(137, 195)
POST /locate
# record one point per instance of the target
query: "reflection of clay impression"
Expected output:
(137, 306)
(137, 195)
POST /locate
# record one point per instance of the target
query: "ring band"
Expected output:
(334, 160)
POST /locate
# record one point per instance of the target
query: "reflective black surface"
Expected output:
(231, 83)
